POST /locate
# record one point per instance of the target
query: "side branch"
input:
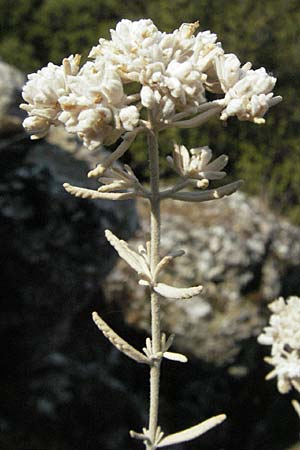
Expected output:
(178, 187)
(128, 139)
(212, 194)
(212, 109)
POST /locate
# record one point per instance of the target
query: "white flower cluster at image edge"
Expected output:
(172, 72)
(283, 334)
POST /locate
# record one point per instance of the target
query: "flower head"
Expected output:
(42, 93)
(169, 72)
(130, 48)
(95, 107)
(228, 71)
(161, 63)
(89, 102)
(250, 97)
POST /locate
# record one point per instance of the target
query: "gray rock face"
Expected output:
(54, 257)
(11, 82)
(240, 252)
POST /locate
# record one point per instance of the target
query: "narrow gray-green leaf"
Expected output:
(212, 194)
(113, 186)
(178, 293)
(128, 139)
(93, 195)
(165, 261)
(117, 341)
(175, 357)
(132, 258)
(191, 433)
(219, 163)
(198, 120)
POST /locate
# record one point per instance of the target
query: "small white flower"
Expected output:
(147, 97)
(205, 50)
(129, 117)
(204, 45)
(229, 70)
(42, 92)
(130, 47)
(37, 126)
(92, 107)
(178, 46)
(251, 97)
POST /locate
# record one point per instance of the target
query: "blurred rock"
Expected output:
(239, 251)
(55, 381)
(11, 82)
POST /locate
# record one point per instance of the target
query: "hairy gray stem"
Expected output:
(181, 185)
(154, 259)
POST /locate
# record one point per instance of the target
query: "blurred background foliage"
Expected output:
(267, 157)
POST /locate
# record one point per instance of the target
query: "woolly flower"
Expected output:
(95, 107)
(250, 97)
(176, 84)
(197, 164)
(89, 102)
(129, 117)
(130, 48)
(205, 50)
(42, 93)
(173, 88)
(283, 334)
(227, 71)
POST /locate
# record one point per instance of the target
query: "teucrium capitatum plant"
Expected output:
(168, 75)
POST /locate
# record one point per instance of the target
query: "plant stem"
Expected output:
(154, 259)
(176, 188)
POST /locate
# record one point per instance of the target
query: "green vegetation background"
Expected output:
(34, 32)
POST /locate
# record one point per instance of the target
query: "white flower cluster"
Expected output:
(88, 101)
(283, 334)
(172, 72)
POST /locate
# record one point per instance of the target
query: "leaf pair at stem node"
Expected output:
(140, 262)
